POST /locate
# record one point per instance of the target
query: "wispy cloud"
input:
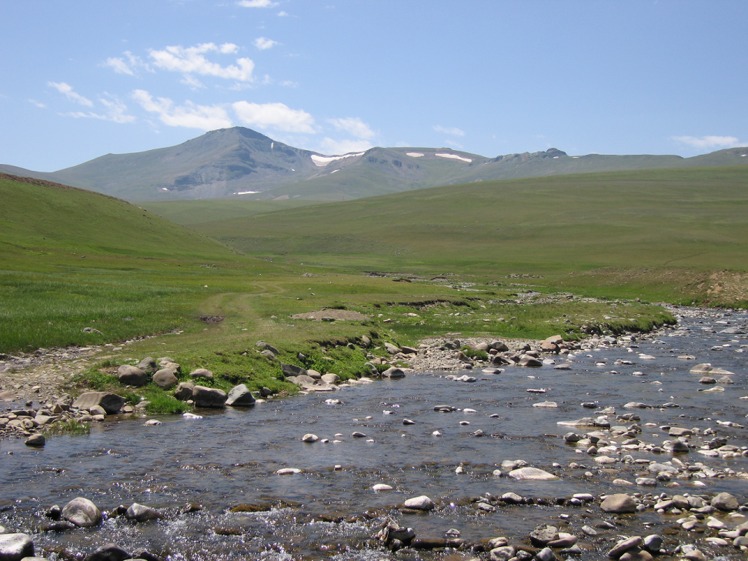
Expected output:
(194, 61)
(256, 3)
(263, 43)
(68, 91)
(112, 110)
(128, 64)
(451, 131)
(353, 126)
(709, 142)
(277, 116)
(335, 146)
(189, 115)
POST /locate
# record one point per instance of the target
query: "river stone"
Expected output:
(291, 370)
(330, 378)
(109, 552)
(618, 503)
(379, 487)
(111, 402)
(625, 545)
(141, 513)
(184, 391)
(14, 547)
(165, 378)
(636, 555)
(208, 397)
(419, 503)
(531, 474)
(240, 396)
(201, 373)
(82, 512)
(132, 375)
(530, 361)
(502, 553)
(542, 535)
(148, 364)
(725, 502)
(393, 373)
(35, 440)
(653, 543)
(309, 437)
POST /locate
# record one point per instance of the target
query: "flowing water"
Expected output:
(229, 458)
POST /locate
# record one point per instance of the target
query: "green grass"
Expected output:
(495, 259)
(670, 228)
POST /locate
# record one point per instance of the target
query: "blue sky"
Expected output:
(83, 78)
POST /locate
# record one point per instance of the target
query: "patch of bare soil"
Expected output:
(332, 315)
(726, 286)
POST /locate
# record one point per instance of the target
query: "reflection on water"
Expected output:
(329, 510)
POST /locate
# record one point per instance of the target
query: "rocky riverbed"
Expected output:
(628, 448)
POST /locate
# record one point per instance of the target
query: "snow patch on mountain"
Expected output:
(322, 161)
(453, 157)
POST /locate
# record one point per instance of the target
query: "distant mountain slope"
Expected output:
(43, 221)
(239, 162)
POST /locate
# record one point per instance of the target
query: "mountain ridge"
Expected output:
(241, 162)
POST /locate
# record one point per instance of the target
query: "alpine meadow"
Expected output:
(527, 258)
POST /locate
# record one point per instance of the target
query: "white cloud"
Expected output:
(452, 131)
(112, 110)
(263, 43)
(345, 146)
(37, 103)
(353, 126)
(67, 90)
(276, 116)
(127, 64)
(189, 115)
(256, 3)
(709, 141)
(193, 60)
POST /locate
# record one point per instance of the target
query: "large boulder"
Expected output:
(165, 378)
(14, 547)
(133, 375)
(291, 370)
(618, 503)
(208, 397)
(141, 513)
(240, 396)
(393, 373)
(419, 503)
(82, 512)
(184, 391)
(110, 402)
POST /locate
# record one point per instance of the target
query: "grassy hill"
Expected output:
(75, 260)
(496, 259)
(658, 234)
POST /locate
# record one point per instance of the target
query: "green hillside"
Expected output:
(73, 260)
(654, 233)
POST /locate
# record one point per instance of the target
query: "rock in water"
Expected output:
(14, 547)
(208, 397)
(419, 503)
(240, 396)
(618, 503)
(141, 513)
(82, 512)
(111, 402)
(531, 474)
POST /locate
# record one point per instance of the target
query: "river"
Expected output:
(226, 461)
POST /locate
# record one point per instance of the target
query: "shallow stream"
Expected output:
(229, 458)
